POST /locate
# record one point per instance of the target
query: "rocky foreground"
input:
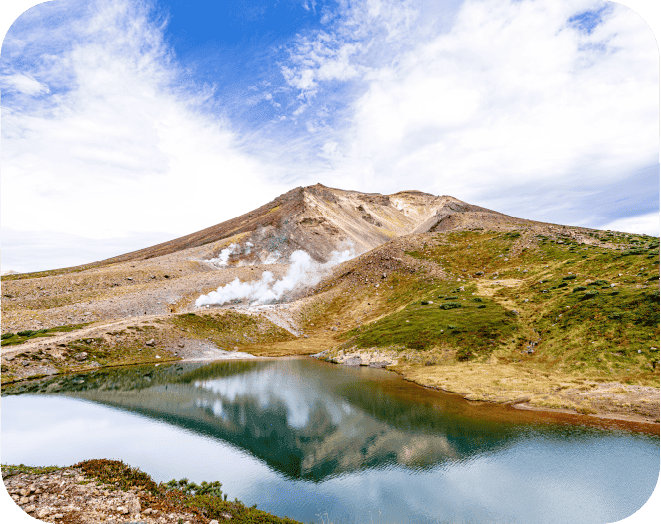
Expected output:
(105, 491)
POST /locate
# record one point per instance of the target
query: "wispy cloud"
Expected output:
(559, 96)
(129, 144)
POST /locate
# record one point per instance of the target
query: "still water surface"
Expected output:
(314, 441)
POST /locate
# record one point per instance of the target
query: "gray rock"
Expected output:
(122, 509)
(382, 364)
(353, 361)
(80, 356)
(150, 342)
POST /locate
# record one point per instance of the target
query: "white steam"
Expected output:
(223, 256)
(303, 271)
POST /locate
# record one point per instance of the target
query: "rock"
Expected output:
(148, 511)
(382, 364)
(333, 328)
(305, 336)
(214, 521)
(58, 516)
(150, 342)
(23, 492)
(30, 508)
(226, 516)
(23, 500)
(122, 509)
(353, 361)
(235, 348)
(134, 506)
(129, 278)
(80, 356)
(43, 512)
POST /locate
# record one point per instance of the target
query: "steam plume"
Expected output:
(303, 271)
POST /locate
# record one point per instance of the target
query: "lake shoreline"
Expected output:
(617, 414)
(612, 408)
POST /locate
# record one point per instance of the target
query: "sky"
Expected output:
(127, 122)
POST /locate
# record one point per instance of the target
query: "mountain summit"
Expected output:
(320, 220)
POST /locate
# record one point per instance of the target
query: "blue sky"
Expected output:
(127, 123)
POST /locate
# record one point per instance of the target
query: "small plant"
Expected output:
(477, 299)
(190, 488)
(450, 305)
(579, 288)
(424, 303)
(569, 277)
(5, 336)
(26, 333)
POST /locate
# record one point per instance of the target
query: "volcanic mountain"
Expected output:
(319, 220)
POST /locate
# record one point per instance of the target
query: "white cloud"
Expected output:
(129, 146)
(513, 104)
(644, 224)
(24, 84)
(513, 94)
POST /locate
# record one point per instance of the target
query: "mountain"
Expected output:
(320, 220)
(451, 295)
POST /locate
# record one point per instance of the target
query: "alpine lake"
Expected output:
(319, 442)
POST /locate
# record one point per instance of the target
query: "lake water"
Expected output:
(318, 442)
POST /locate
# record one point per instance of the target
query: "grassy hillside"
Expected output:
(589, 306)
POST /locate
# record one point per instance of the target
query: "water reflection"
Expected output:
(303, 419)
(300, 437)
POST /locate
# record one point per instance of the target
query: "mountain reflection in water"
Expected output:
(303, 418)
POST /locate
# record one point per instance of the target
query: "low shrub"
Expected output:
(450, 305)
